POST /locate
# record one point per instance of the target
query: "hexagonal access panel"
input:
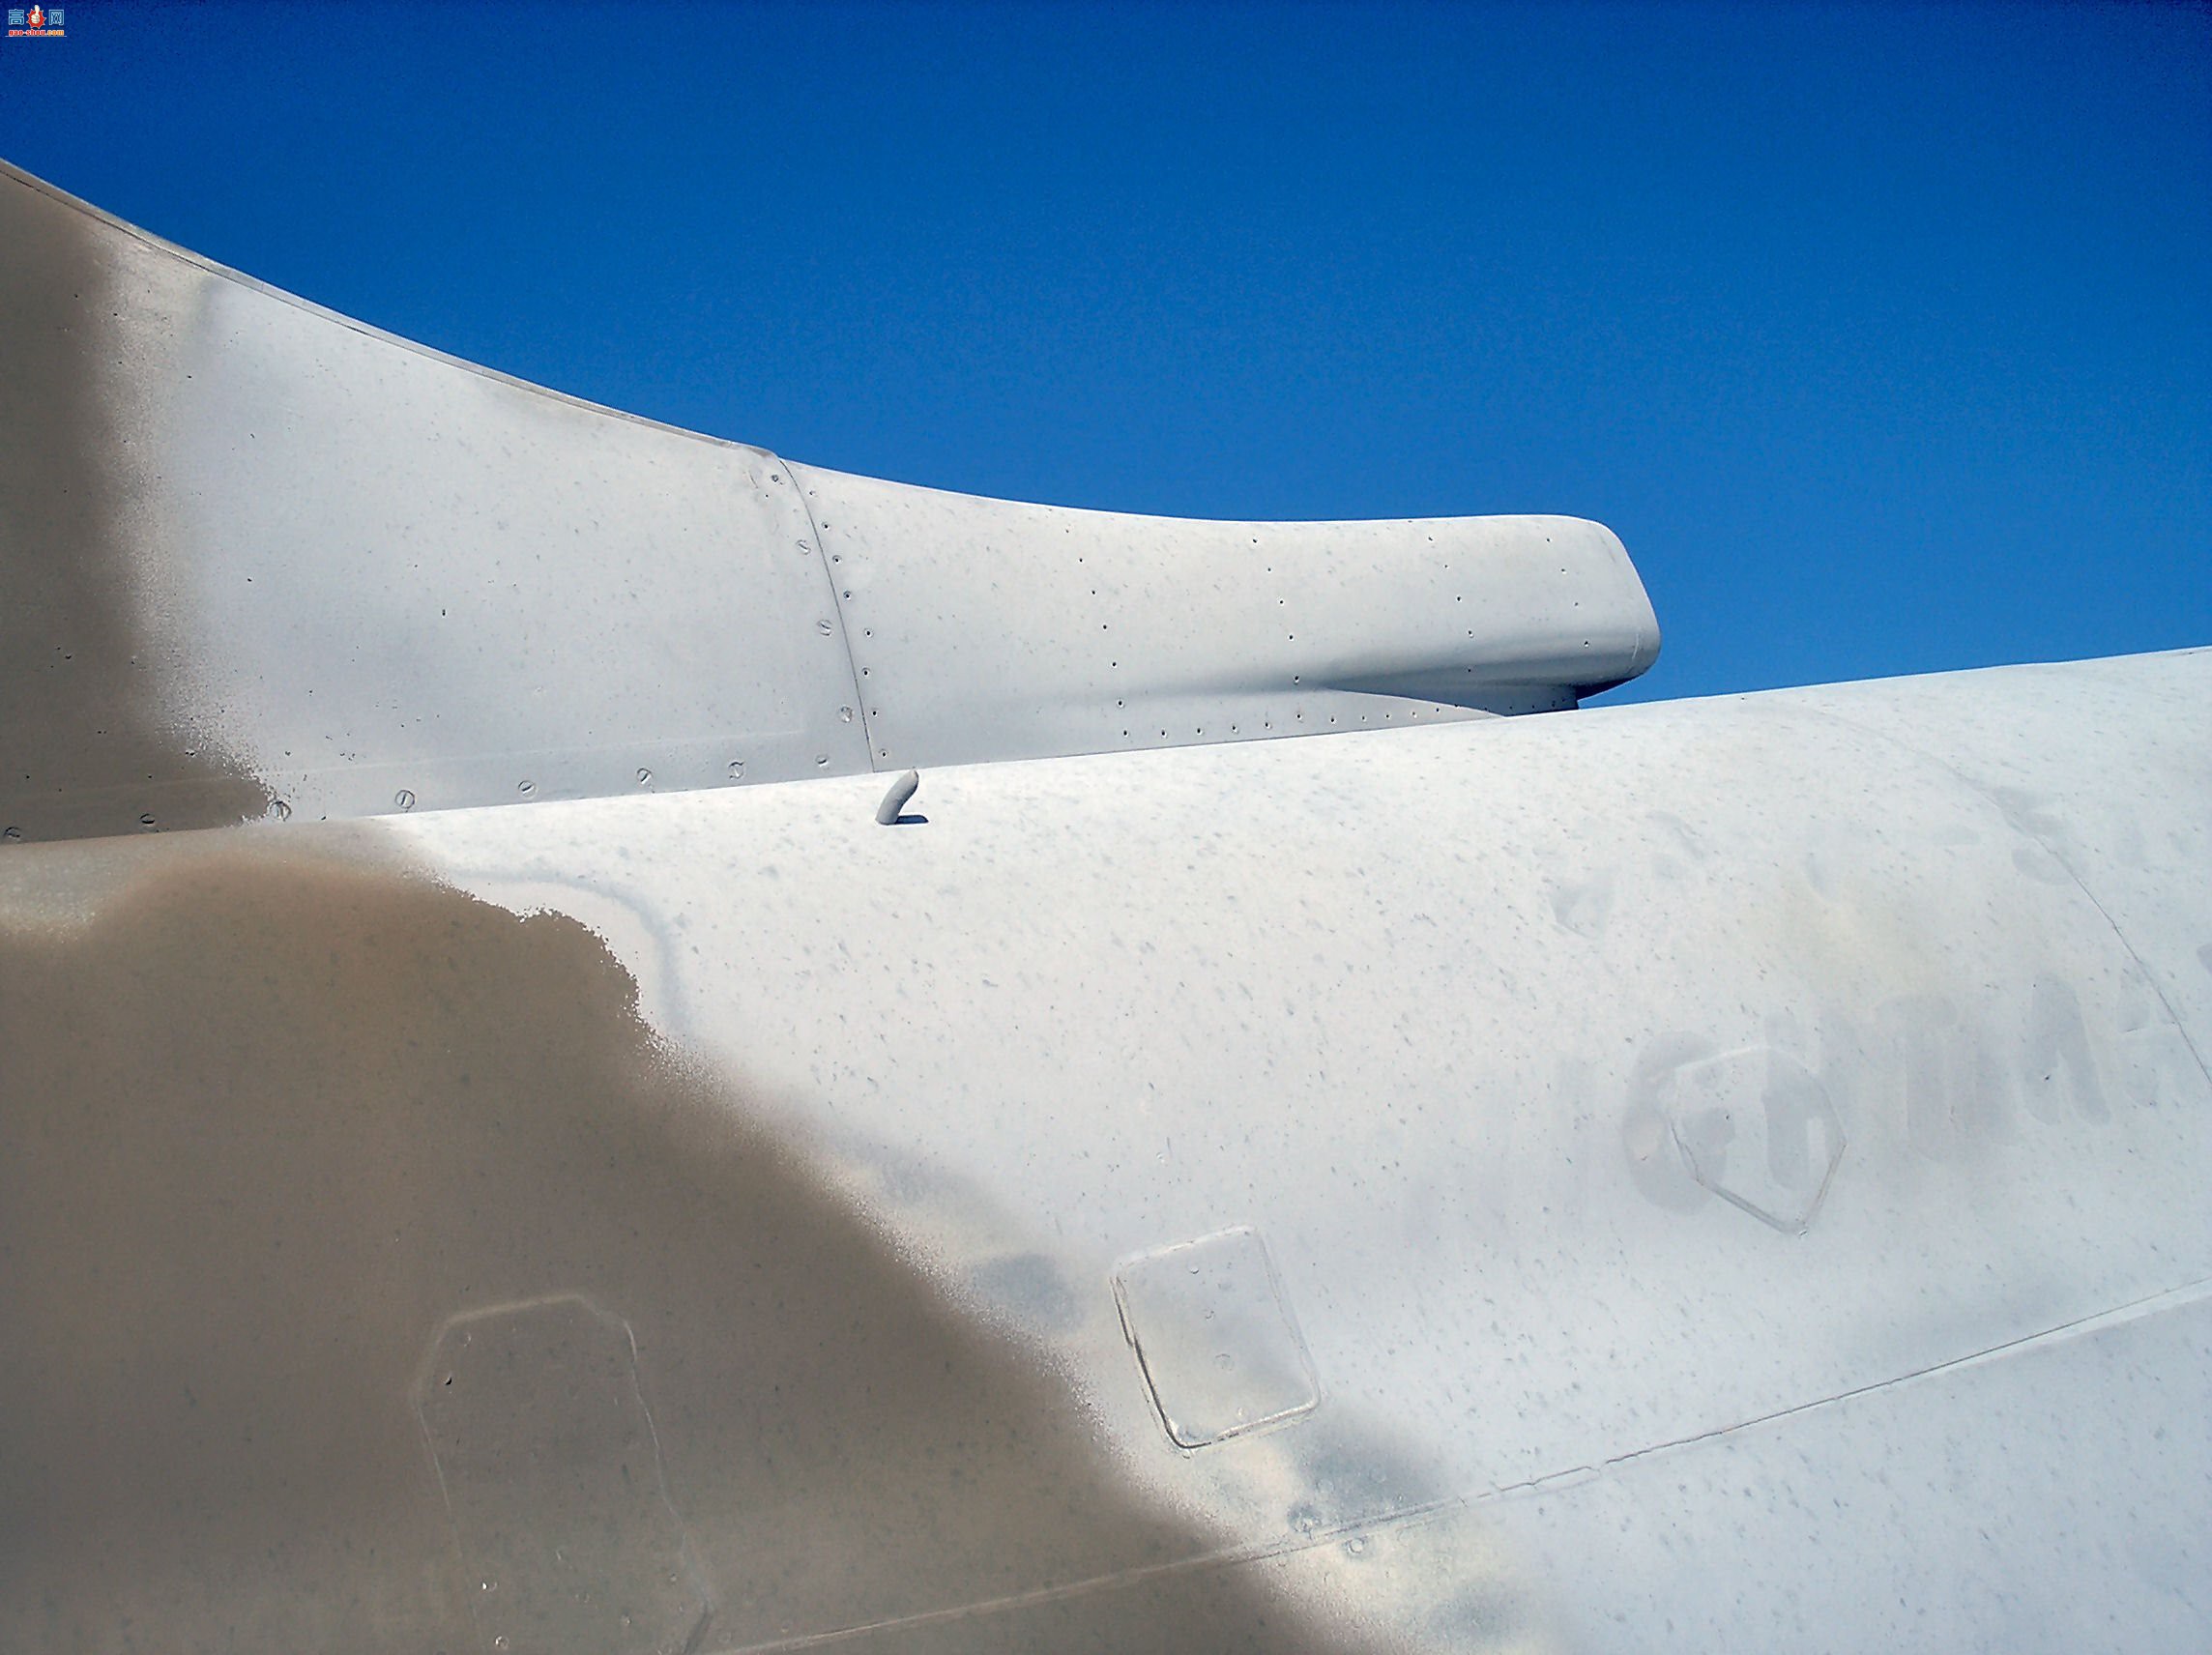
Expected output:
(1760, 1132)
(552, 1477)
(1214, 1337)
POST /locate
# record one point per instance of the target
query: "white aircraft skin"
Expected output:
(1712, 1175)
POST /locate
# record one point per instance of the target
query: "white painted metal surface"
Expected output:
(368, 577)
(1726, 1174)
(987, 629)
(363, 578)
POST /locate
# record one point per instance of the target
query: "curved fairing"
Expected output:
(1719, 1174)
(364, 578)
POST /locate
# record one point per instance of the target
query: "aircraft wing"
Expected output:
(504, 1147)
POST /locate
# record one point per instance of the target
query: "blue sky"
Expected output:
(1882, 335)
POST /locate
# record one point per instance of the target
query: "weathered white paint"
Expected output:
(1725, 1173)
(373, 579)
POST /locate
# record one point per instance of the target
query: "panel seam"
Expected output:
(836, 609)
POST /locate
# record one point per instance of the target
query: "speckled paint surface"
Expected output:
(1715, 1174)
